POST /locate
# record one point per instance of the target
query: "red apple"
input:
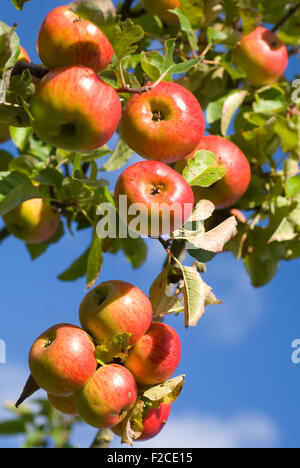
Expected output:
(161, 195)
(156, 355)
(262, 56)
(23, 57)
(153, 422)
(164, 124)
(4, 133)
(161, 9)
(108, 396)
(227, 191)
(74, 109)
(33, 221)
(65, 39)
(114, 308)
(62, 360)
(66, 405)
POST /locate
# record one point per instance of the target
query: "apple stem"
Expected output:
(30, 388)
(289, 14)
(103, 439)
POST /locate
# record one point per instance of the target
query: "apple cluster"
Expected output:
(116, 319)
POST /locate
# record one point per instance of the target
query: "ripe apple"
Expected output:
(227, 191)
(23, 57)
(33, 221)
(66, 405)
(153, 422)
(65, 39)
(114, 308)
(164, 124)
(4, 133)
(156, 355)
(74, 109)
(164, 199)
(107, 397)
(262, 56)
(62, 360)
(160, 8)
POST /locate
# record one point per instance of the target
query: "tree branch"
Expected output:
(37, 71)
(290, 13)
(125, 10)
(103, 439)
(4, 234)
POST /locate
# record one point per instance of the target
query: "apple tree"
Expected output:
(230, 57)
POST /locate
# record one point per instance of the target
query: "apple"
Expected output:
(153, 422)
(160, 8)
(156, 355)
(113, 308)
(74, 109)
(163, 124)
(4, 133)
(227, 191)
(23, 57)
(66, 405)
(62, 360)
(163, 197)
(65, 39)
(107, 397)
(33, 221)
(262, 56)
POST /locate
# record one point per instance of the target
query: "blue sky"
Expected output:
(242, 388)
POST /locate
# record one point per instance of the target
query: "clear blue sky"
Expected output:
(242, 388)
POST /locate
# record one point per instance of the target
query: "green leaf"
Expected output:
(99, 12)
(36, 250)
(20, 137)
(18, 195)
(293, 185)
(261, 270)
(135, 251)
(5, 159)
(9, 46)
(116, 348)
(95, 261)
(204, 169)
(124, 37)
(187, 28)
(194, 11)
(77, 172)
(167, 392)
(184, 67)
(77, 269)
(19, 3)
(231, 104)
(153, 64)
(203, 256)
(215, 36)
(13, 427)
(50, 176)
(250, 17)
(121, 154)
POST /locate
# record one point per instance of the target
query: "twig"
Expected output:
(103, 439)
(143, 89)
(4, 234)
(30, 388)
(290, 13)
(125, 10)
(35, 70)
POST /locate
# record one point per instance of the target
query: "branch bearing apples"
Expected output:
(113, 308)
(227, 191)
(66, 405)
(153, 422)
(4, 133)
(161, 195)
(161, 9)
(107, 397)
(74, 109)
(262, 56)
(33, 221)
(156, 355)
(65, 39)
(62, 360)
(163, 124)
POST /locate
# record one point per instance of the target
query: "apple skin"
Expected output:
(113, 308)
(62, 360)
(152, 183)
(108, 396)
(262, 56)
(156, 355)
(74, 109)
(227, 191)
(4, 133)
(164, 124)
(160, 8)
(23, 57)
(153, 422)
(33, 221)
(65, 39)
(65, 405)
